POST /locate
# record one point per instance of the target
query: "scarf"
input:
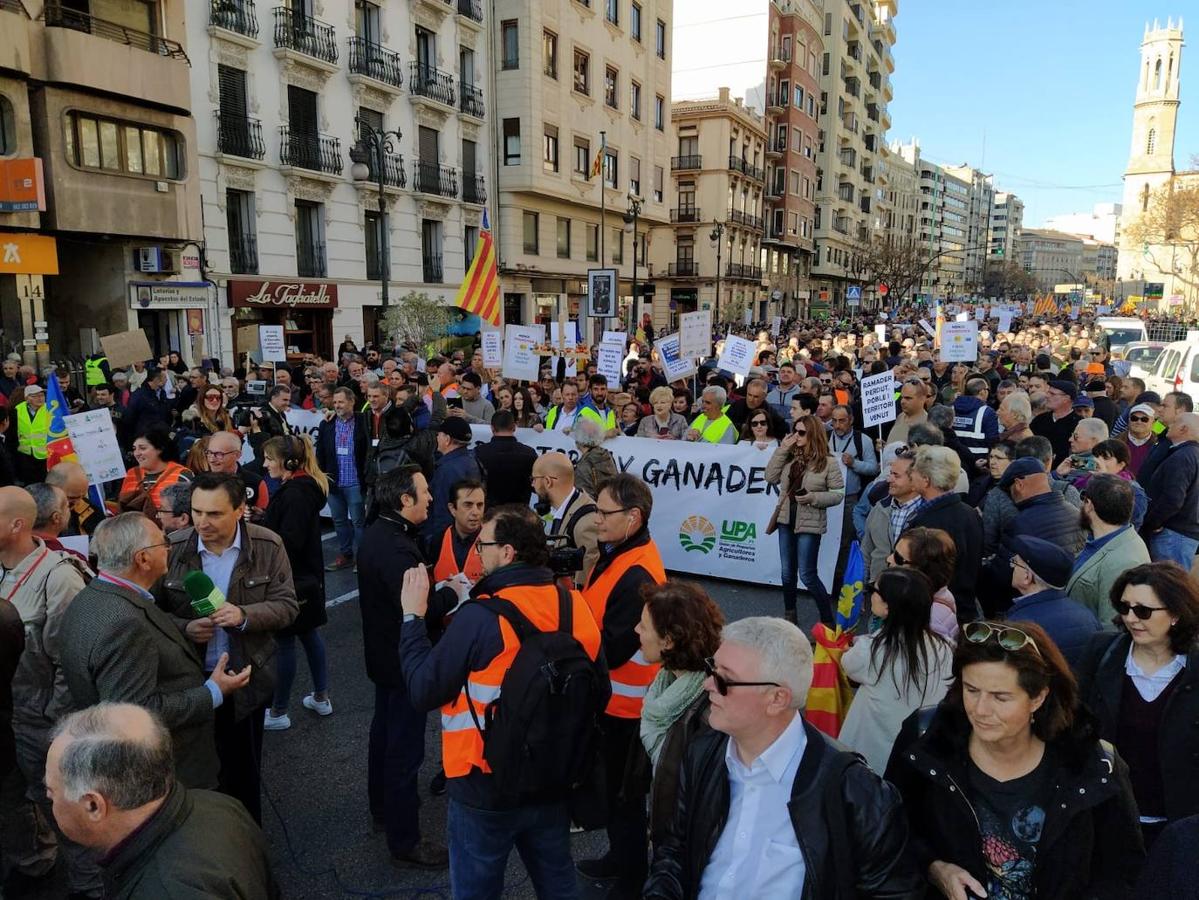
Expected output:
(666, 699)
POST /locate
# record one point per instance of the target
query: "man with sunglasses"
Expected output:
(1058, 421)
(1139, 438)
(768, 805)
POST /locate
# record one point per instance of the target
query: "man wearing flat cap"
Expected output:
(1057, 423)
(1040, 572)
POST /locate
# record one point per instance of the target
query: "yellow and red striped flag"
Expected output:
(480, 291)
(597, 165)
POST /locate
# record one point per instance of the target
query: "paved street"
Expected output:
(315, 774)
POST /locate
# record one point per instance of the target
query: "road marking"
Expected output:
(328, 536)
(338, 601)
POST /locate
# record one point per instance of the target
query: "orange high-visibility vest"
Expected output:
(631, 680)
(461, 739)
(447, 564)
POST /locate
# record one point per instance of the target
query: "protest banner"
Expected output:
(96, 447)
(493, 348)
(711, 503)
(959, 341)
(675, 366)
(521, 361)
(737, 355)
(695, 333)
(878, 399)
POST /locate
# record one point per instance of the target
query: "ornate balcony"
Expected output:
(234, 18)
(474, 190)
(686, 163)
(239, 135)
(376, 62)
(683, 268)
(432, 269)
(431, 178)
(685, 215)
(309, 150)
(305, 37)
(428, 83)
(470, 101)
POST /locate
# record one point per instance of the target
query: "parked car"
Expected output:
(1140, 358)
(1176, 369)
(1122, 331)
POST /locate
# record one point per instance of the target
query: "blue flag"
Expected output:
(851, 599)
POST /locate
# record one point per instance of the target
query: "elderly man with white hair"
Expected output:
(712, 425)
(768, 805)
(595, 463)
(1015, 414)
(110, 778)
(1081, 461)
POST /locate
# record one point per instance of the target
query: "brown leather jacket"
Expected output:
(261, 585)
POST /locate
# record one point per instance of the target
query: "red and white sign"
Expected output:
(291, 294)
(883, 289)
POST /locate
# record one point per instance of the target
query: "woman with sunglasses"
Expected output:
(679, 629)
(756, 430)
(1141, 683)
(903, 666)
(932, 553)
(208, 415)
(810, 481)
(1008, 789)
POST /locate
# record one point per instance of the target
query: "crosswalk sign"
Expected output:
(853, 295)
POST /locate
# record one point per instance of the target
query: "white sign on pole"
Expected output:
(695, 333)
(1005, 321)
(568, 343)
(878, 399)
(737, 356)
(95, 441)
(959, 341)
(932, 332)
(271, 343)
(880, 332)
(675, 366)
(1102, 310)
(607, 362)
(776, 326)
(493, 349)
(961, 317)
(521, 361)
(615, 337)
(748, 316)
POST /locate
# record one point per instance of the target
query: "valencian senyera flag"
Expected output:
(830, 694)
(480, 291)
(59, 447)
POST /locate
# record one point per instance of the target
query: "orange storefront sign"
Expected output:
(22, 187)
(27, 254)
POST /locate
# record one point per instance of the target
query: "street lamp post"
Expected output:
(717, 237)
(374, 145)
(630, 224)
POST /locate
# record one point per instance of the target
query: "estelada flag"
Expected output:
(480, 291)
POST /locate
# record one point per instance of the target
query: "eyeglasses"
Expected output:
(1010, 639)
(759, 423)
(899, 557)
(1139, 610)
(801, 431)
(482, 544)
(219, 454)
(723, 684)
(604, 513)
(156, 546)
(1139, 419)
(212, 396)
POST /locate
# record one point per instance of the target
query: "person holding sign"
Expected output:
(810, 481)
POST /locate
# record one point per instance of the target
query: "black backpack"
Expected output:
(540, 735)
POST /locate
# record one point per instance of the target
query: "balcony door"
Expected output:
(235, 132)
(429, 147)
(366, 22)
(426, 51)
(303, 135)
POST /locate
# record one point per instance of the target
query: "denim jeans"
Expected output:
(285, 665)
(394, 756)
(348, 514)
(481, 839)
(1170, 545)
(798, 553)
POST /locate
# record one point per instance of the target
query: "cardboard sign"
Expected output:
(125, 348)
(675, 366)
(1005, 321)
(521, 361)
(959, 341)
(271, 343)
(878, 399)
(695, 333)
(607, 362)
(924, 323)
(880, 332)
(568, 343)
(737, 356)
(493, 349)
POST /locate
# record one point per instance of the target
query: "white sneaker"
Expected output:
(320, 707)
(276, 723)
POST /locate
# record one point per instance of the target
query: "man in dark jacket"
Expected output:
(974, 422)
(806, 820)
(148, 406)
(1040, 572)
(934, 474)
(109, 776)
(1172, 406)
(1105, 409)
(12, 643)
(456, 463)
(397, 734)
(755, 401)
(1058, 421)
(507, 462)
(1171, 526)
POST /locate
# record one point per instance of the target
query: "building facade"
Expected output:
(978, 225)
(582, 123)
(855, 91)
(1100, 224)
(1051, 257)
(98, 95)
(1007, 222)
(289, 102)
(710, 255)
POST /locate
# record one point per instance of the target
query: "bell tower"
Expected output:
(1154, 117)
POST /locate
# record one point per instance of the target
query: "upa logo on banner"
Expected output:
(697, 533)
(738, 539)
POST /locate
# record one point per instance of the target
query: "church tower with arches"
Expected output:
(1154, 120)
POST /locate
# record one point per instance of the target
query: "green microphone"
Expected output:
(206, 598)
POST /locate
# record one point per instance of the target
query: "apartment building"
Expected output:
(292, 102)
(1052, 257)
(1098, 261)
(579, 79)
(710, 255)
(899, 208)
(1101, 223)
(855, 89)
(96, 119)
(978, 224)
(795, 51)
(1007, 222)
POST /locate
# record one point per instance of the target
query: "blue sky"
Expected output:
(1051, 83)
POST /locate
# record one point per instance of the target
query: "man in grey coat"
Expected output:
(118, 646)
(1113, 547)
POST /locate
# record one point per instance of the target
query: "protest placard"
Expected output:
(95, 441)
(695, 333)
(878, 399)
(521, 361)
(675, 366)
(270, 342)
(126, 347)
(607, 362)
(737, 355)
(959, 341)
(493, 349)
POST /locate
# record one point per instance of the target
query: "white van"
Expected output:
(1177, 369)
(1122, 331)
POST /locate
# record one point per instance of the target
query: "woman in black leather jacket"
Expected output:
(1008, 789)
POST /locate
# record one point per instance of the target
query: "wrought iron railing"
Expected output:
(427, 81)
(57, 16)
(240, 135)
(375, 61)
(304, 34)
(431, 178)
(309, 150)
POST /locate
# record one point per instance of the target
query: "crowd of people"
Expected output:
(1023, 669)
